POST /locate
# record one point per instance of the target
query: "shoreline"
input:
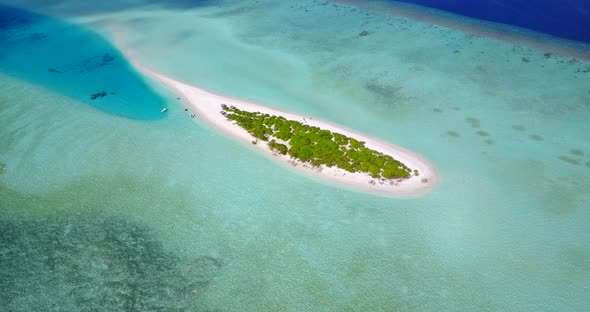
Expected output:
(486, 29)
(207, 106)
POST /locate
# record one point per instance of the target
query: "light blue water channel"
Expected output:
(75, 62)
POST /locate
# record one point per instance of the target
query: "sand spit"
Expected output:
(207, 106)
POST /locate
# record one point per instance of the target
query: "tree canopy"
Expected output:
(317, 146)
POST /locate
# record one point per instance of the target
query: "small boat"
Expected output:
(164, 110)
(193, 115)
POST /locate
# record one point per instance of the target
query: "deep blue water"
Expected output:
(74, 62)
(569, 19)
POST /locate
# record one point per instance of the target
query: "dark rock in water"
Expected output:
(453, 134)
(113, 93)
(96, 62)
(100, 94)
(96, 264)
(573, 61)
(525, 60)
(107, 58)
(38, 36)
(364, 33)
(535, 137)
(518, 127)
(577, 152)
(569, 160)
(53, 70)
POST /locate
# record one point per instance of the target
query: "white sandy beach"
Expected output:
(207, 106)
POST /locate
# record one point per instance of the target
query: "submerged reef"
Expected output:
(38, 36)
(569, 160)
(453, 134)
(536, 137)
(577, 152)
(518, 127)
(473, 122)
(95, 264)
(88, 65)
(96, 62)
(97, 95)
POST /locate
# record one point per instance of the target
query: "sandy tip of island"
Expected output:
(206, 105)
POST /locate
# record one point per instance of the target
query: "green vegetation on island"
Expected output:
(317, 146)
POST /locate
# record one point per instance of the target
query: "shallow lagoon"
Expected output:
(75, 62)
(505, 230)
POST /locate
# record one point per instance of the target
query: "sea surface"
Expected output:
(111, 205)
(564, 19)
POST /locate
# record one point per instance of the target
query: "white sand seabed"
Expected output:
(207, 106)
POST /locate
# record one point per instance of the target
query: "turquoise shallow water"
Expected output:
(75, 62)
(172, 215)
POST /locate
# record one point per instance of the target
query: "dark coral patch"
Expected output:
(38, 36)
(98, 95)
(569, 160)
(518, 127)
(536, 137)
(482, 133)
(78, 262)
(577, 152)
(453, 134)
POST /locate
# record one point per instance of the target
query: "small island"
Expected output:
(315, 146)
